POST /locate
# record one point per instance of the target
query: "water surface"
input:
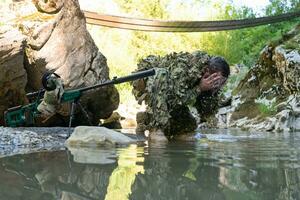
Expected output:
(225, 165)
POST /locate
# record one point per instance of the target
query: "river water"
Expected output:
(227, 164)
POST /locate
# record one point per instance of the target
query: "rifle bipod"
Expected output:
(73, 107)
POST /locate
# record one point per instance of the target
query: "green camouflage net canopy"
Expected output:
(169, 94)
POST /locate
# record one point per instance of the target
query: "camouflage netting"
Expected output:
(169, 94)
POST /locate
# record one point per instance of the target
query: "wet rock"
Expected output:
(96, 136)
(58, 41)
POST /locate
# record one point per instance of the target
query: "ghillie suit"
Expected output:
(169, 94)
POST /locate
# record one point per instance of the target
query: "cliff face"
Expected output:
(53, 38)
(268, 98)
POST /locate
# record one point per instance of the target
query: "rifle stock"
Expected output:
(25, 115)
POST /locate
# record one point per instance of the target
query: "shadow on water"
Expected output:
(240, 167)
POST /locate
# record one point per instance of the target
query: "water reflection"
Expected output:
(87, 155)
(130, 163)
(246, 168)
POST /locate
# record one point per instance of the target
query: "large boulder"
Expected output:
(58, 41)
(13, 77)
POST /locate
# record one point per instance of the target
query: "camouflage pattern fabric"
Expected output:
(169, 93)
(51, 100)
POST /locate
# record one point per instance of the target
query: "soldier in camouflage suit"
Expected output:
(181, 80)
(54, 90)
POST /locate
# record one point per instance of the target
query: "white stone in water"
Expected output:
(96, 136)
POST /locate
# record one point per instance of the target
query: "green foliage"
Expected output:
(292, 44)
(267, 110)
(234, 79)
(123, 48)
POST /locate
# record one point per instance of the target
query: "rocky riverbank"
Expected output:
(29, 140)
(268, 98)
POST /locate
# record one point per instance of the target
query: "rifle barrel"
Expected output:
(131, 77)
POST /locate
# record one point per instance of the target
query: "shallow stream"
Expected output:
(227, 164)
